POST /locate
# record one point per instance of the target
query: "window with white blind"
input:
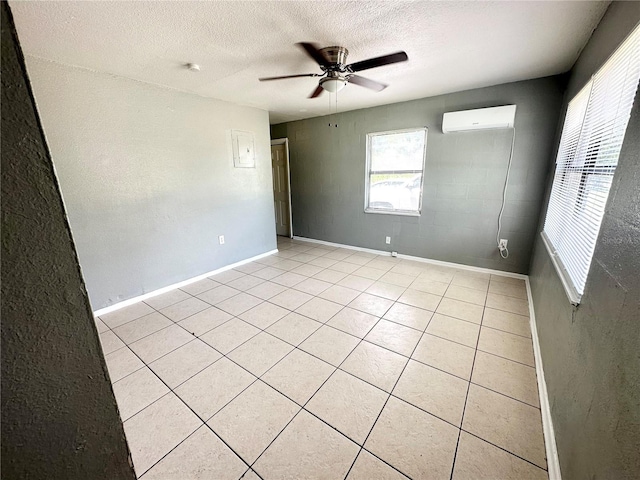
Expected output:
(592, 137)
(395, 164)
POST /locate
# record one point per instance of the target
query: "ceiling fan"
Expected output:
(337, 73)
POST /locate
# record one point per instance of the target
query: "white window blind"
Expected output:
(593, 132)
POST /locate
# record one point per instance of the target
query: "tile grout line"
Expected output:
(288, 287)
(362, 448)
(389, 396)
(380, 346)
(440, 370)
(172, 391)
(317, 390)
(397, 398)
(473, 363)
(204, 423)
(189, 407)
(230, 401)
(291, 311)
(265, 330)
(466, 398)
(226, 321)
(505, 450)
(505, 331)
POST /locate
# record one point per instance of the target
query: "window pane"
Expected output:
(397, 151)
(395, 191)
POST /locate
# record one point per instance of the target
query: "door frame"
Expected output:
(285, 142)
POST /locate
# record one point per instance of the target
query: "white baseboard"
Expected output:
(160, 291)
(340, 245)
(461, 266)
(441, 263)
(553, 463)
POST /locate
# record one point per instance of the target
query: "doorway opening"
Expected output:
(281, 187)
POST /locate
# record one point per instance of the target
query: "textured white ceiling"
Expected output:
(452, 46)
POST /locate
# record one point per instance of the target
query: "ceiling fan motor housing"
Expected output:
(337, 56)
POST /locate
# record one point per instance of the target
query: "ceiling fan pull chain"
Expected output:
(333, 113)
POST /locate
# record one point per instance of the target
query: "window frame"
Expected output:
(367, 173)
(582, 161)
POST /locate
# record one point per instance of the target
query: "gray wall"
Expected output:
(148, 180)
(463, 183)
(591, 355)
(59, 415)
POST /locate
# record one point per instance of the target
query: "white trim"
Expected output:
(572, 294)
(404, 213)
(367, 173)
(553, 464)
(340, 245)
(461, 266)
(441, 263)
(160, 291)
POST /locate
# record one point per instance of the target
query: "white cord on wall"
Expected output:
(504, 197)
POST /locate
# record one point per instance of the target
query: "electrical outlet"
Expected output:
(388, 240)
(394, 254)
(503, 244)
(221, 239)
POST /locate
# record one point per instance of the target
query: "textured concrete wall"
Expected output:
(591, 355)
(148, 180)
(59, 415)
(463, 179)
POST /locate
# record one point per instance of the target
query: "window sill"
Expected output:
(573, 296)
(393, 212)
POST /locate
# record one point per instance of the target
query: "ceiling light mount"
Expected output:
(333, 83)
(194, 67)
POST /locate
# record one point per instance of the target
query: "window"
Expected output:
(395, 163)
(592, 137)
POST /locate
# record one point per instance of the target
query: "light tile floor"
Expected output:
(328, 363)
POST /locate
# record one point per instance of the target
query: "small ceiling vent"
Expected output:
(479, 119)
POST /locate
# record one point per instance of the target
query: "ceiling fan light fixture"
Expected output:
(333, 84)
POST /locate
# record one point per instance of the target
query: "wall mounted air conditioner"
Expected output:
(479, 119)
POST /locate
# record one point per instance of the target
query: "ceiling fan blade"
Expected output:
(316, 92)
(378, 61)
(267, 79)
(315, 53)
(367, 83)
